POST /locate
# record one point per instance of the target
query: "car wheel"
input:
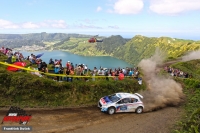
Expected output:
(139, 110)
(111, 110)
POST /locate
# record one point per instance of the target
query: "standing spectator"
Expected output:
(9, 54)
(2, 50)
(94, 72)
(68, 73)
(21, 57)
(72, 73)
(51, 62)
(17, 56)
(124, 71)
(56, 70)
(14, 58)
(68, 65)
(86, 69)
(44, 67)
(61, 68)
(39, 64)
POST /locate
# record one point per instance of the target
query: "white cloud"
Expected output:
(98, 9)
(4, 24)
(114, 27)
(30, 25)
(88, 21)
(83, 26)
(57, 24)
(127, 6)
(173, 7)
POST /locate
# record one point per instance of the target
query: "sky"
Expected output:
(152, 18)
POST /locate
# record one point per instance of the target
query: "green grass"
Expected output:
(190, 121)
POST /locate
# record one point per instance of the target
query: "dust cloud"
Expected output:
(162, 91)
(191, 56)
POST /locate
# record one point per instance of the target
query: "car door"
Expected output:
(133, 104)
(121, 106)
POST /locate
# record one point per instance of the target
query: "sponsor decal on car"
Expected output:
(103, 101)
(124, 107)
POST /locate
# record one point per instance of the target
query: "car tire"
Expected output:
(111, 110)
(139, 110)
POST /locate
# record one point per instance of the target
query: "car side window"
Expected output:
(125, 100)
(133, 100)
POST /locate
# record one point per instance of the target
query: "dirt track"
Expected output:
(91, 120)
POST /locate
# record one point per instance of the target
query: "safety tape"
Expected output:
(51, 74)
(18, 67)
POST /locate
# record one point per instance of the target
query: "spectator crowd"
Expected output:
(73, 71)
(177, 72)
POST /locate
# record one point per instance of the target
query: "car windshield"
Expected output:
(113, 98)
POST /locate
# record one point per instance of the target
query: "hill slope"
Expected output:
(135, 49)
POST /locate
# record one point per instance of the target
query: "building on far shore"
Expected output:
(30, 48)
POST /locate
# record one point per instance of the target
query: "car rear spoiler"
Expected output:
(139, 95)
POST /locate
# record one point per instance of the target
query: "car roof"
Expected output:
(128, 95)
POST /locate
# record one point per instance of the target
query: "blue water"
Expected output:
(90, 61)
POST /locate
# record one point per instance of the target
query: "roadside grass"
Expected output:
(190, 121)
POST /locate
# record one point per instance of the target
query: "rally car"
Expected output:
(121, 102)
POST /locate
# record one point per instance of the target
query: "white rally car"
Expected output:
(121, 102)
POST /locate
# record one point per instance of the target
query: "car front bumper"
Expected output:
(103, 109)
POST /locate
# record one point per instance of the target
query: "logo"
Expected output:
(15, 114)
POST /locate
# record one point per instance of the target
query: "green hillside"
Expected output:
(105, 48)
(130, 50)
(133, 50)
(141, 47)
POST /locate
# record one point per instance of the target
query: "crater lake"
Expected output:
(90, 61)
